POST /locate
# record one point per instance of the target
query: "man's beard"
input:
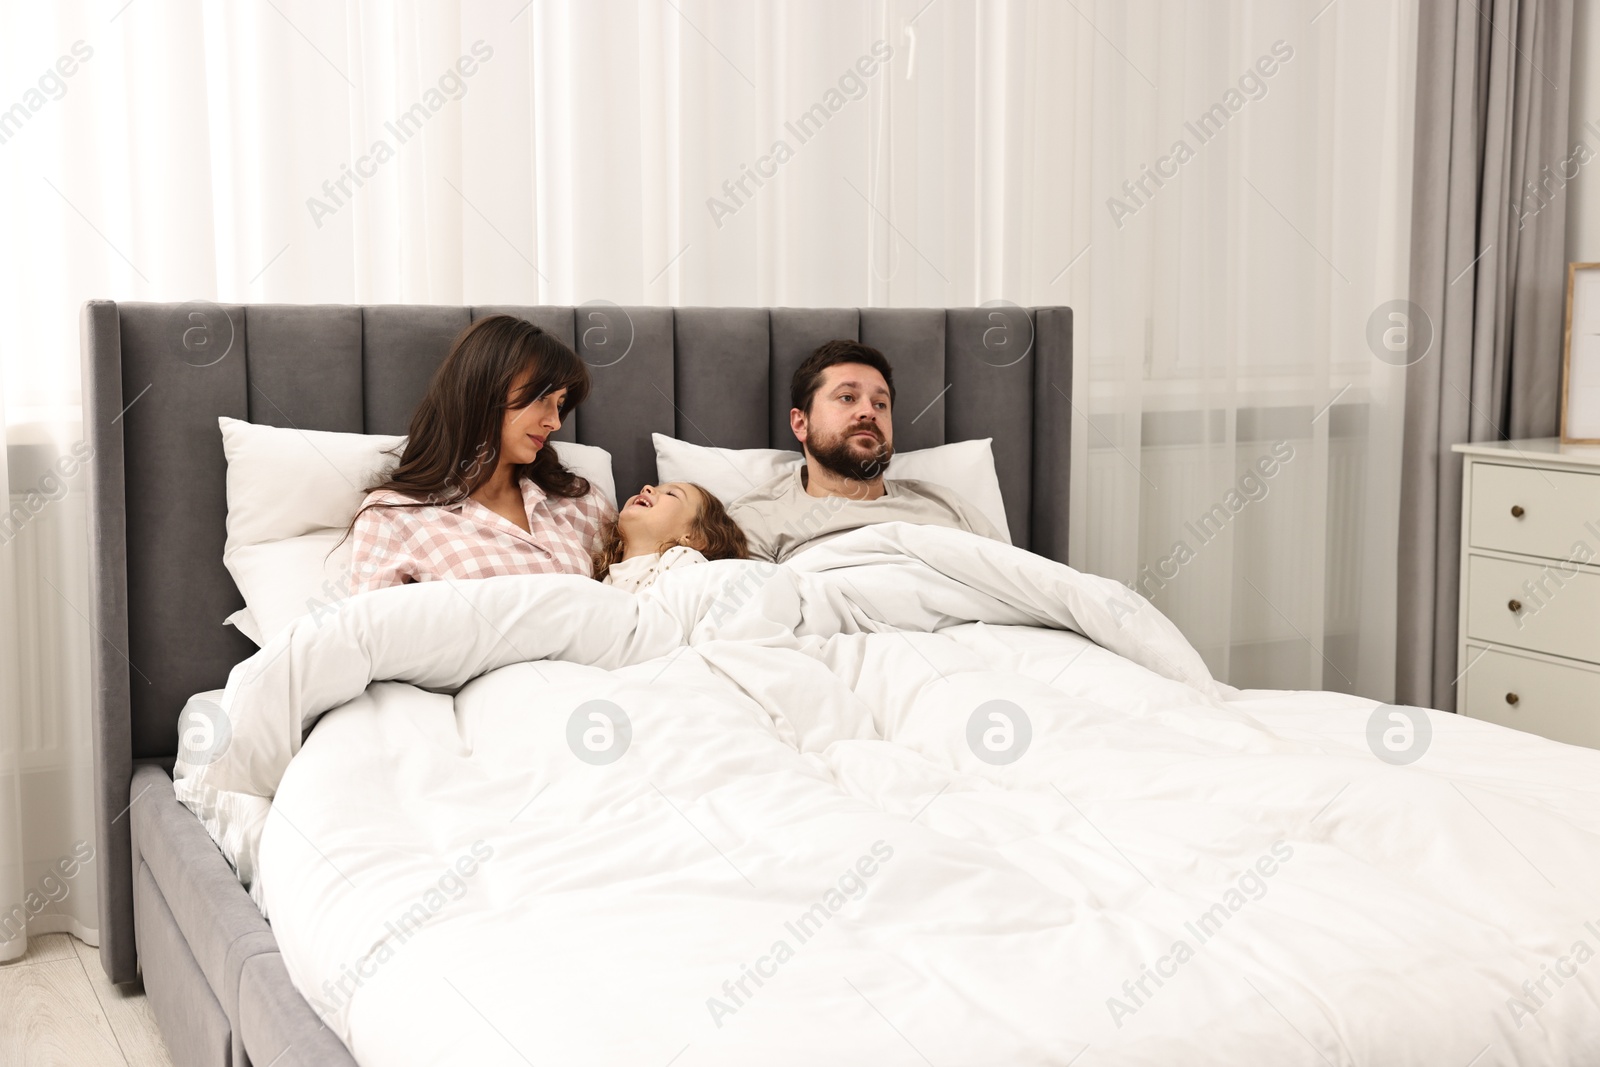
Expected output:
(838, 455)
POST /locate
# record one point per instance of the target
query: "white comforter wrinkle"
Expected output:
(958, 581)
(774, 678)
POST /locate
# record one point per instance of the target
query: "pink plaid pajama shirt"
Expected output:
(468, 540)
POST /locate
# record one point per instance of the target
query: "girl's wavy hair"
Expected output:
(713, 532)
(454, 439)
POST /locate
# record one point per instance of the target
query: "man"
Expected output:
(843, 398)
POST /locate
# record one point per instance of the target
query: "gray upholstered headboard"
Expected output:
(156, 376)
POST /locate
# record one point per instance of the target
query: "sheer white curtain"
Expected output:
(1241, 412)
(892, 152)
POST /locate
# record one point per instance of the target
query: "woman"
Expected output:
(479, 492)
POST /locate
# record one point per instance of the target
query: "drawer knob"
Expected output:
(1514, 605)
(1512, 699)
(1516, 511)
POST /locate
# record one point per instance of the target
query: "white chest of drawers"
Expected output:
(1529, 647)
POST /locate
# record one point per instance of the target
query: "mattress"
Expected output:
(909, 796)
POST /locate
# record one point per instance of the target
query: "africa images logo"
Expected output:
(852, 884)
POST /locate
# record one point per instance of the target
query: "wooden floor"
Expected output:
(61, 1009)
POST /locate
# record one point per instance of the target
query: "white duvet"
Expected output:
(765, 815)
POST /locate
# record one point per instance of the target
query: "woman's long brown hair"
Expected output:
(455, 432)
(712, 527)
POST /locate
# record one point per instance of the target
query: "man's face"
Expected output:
(848, 430)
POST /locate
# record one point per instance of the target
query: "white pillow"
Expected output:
(246, 624)
(967, 467)
(291, 496)
(283, 580)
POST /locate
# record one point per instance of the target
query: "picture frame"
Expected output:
(1580, 357)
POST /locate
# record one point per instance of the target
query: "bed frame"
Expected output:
(156, 376)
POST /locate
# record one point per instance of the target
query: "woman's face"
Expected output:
(526, 429)
(660, 514)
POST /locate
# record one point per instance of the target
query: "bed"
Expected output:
(914, 796)
(157, 376)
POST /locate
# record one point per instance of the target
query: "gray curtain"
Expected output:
(1488, 270)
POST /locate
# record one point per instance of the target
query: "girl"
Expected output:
(479, 491)
(666, 526)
